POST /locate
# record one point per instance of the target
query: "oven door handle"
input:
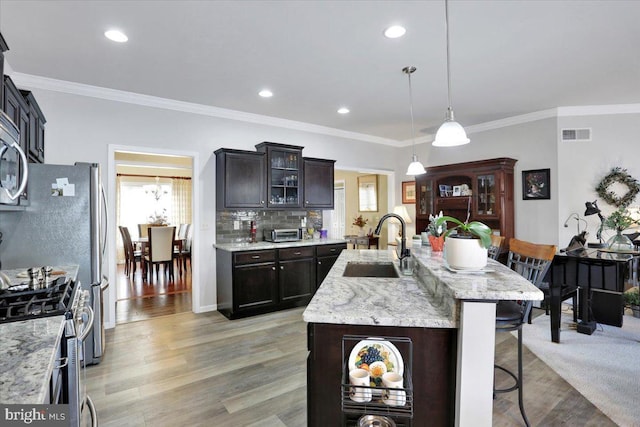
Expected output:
(92, 410)
(87, 310)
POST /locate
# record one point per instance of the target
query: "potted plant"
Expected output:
(466, 244)
(619, 221)
(632, 300)
(360, 222)
(436, 232)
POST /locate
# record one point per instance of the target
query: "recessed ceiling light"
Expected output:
(394, 31)
(116, 36)
(343, 110)
(265, 93)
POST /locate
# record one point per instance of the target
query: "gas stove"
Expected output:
(21, 303)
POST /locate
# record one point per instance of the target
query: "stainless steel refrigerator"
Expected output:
(65, 223)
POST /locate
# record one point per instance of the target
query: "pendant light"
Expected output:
(451, 133)
(415, 167)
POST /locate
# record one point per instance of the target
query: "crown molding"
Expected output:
(45, 83)
(598, 110)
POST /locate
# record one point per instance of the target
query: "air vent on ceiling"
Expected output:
(576, 134)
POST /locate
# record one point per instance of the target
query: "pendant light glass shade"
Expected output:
(415, 167)
(450, 133)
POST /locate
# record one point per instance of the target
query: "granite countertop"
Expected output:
(430, 298)
(243, 246)
(28, 349)
(27, 352)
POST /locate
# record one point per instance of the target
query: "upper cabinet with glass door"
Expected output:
(284, 177)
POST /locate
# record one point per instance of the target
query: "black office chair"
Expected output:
(531, 261)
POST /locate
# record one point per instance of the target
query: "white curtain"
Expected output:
(181, 200)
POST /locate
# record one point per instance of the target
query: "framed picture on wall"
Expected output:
(536, 184)
(408, 192)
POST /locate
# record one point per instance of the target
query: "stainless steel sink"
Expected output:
(370, 269)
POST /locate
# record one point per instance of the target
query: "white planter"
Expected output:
(465, 254)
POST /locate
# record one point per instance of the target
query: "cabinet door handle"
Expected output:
(332, 250)
(273, 268)
(281, 267)
(297, 253)
(262, 202)
(319, 262)
(255, 257)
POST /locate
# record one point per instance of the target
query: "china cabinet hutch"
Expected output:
(483, 188)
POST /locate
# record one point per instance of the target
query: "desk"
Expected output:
(599, 276)
(363, 240)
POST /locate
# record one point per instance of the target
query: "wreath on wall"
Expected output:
(620, 176)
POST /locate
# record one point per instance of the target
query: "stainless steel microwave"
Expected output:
(13, 163)
(283, 234)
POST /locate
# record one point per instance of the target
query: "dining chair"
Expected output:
(495, 249)
(160, 250)
(185, 253)
(531, 261)
(131, 255)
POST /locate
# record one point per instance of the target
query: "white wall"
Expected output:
(584, 164)
(82, 129)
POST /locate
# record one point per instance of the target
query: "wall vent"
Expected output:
(576, 134)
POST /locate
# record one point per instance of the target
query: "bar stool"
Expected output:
(531, 261)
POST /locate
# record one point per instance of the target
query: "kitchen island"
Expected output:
(30, 351)
(448, 317)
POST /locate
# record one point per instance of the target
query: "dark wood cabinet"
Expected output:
(17, 109)
(240, 179)
(296, 275)
(36, 128)
(433, 374)
(326, 256)
(318, 183)
(484, 188)
(284, 174)
(260, 281)
(3, 48)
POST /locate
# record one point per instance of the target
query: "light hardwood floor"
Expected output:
(204, 370)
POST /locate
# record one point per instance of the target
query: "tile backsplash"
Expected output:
(265, 219)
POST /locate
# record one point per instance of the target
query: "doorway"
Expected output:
(151, 186)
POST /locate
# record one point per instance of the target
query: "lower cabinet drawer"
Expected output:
(254, 257)
(327, 250)
(296, 253)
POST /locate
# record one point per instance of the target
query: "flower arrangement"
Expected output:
(360, 221)
(434, 229)
(619, 220)
(158, 218)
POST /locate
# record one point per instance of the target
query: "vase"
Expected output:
(465, 254)
(620, 243)
(361, 232)
(437, 243)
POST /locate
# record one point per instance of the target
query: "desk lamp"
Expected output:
(593, 209)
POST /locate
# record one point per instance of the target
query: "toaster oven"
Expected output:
(283, 234)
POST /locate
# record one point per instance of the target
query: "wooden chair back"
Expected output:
(495, 249)
(531, 260)
(161, 244)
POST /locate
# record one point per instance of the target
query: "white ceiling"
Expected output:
(507, 57)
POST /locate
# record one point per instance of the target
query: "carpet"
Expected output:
(604, 367)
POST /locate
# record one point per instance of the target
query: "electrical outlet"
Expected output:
(236, 225)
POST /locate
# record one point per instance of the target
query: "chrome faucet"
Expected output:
(404, 252)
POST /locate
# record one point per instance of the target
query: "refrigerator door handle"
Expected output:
(106, 219)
